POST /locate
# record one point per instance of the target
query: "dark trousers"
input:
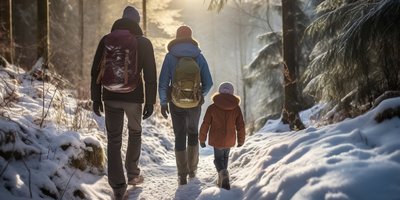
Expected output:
(221, 157)
(185, 122)
(114, 117)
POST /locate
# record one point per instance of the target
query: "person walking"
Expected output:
(116, 79)
(184, 81)
(224, 124)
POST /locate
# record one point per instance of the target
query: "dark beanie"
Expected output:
(184, 32)
(131, 13)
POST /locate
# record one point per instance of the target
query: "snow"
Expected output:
(355, 159)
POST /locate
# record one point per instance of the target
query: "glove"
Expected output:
(147, 111)
(164, 111)
(239, 145)
(203, 145)
(201, 101)
(97, 107)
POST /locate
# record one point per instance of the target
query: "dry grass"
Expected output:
(93, 157)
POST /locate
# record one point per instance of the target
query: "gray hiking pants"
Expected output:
(114, 114)
(185, 122)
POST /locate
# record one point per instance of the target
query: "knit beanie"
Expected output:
(226, 88)
(131, 13)
(183, 32)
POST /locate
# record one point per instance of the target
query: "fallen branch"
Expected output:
(384, 96)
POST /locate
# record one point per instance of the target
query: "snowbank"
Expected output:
(355, 159)
(40, 156)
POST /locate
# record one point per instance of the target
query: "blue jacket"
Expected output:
(182, 49)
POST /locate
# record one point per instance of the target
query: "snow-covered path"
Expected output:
(161, 182)
(158, 165)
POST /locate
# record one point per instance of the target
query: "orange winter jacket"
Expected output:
(224, 122)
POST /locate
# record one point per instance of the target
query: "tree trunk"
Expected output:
(242, 61)
(144, 16)
(82, 34)
(6, 28)
(290, 112)
(43, 30)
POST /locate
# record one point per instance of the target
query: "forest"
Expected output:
(310, 74)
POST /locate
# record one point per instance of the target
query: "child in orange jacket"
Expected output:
(224, 124)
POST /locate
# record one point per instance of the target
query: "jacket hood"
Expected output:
(184, 47)
(226, 101)
(127, 24)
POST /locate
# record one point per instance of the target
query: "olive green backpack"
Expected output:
(186, 83)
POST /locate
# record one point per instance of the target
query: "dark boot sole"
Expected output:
(182, 181)
(225, 184)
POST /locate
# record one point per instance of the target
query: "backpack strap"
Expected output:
(137, 56)
(126, 63)
(102, 68)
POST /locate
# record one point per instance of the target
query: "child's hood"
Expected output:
(226, 101)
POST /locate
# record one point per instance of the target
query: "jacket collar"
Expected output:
(226, 101)
(182, 40)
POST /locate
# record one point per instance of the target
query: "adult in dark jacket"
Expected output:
(185, 121)
(118, 104)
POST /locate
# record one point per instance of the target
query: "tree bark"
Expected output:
(290, 112)
(43, 30)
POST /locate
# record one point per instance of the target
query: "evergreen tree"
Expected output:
(356, 56)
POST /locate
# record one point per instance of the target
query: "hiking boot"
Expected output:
(182, 166)
(182, 180)
(219, 180)
(223, 179)
(192, 174)
(193, 159)
(120, 193)
(136, 180)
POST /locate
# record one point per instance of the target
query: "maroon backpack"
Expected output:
(119, 70)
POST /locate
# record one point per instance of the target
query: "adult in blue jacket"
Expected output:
(185, 121)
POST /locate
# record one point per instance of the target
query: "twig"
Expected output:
(54, 155)
(10, 94)
(48, 151)
(44, 98)
(30, 189)
(8, 162)
(48, 108)
(67, 184)
(2, 171)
